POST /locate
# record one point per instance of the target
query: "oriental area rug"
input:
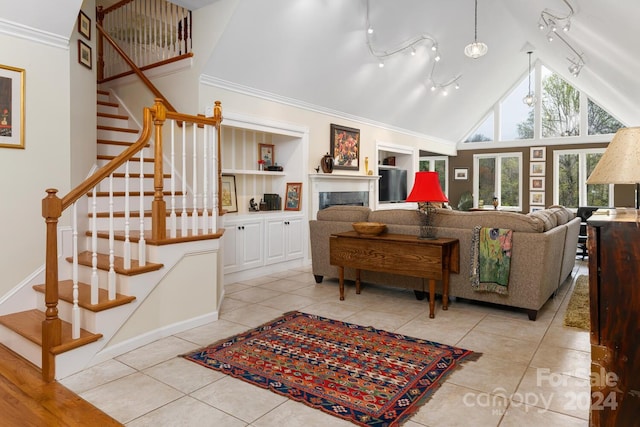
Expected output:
(361, 374)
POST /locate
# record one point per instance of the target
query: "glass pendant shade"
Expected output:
(476, 49)
(530, 98)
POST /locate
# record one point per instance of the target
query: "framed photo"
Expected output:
(294, 196)
(538, 154)
(461, 174)
(535, 208)
(536, 183)
(345, 147)
(537, 168)
(228, 193)
(536, 198)
(84, 25)
(266, 152)
(84, 54)
(11, 107)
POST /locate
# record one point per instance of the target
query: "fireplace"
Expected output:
(335, 189)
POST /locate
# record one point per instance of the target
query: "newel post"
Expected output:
(158, 206)
(100, 58)
(52, 325)
(217, 116)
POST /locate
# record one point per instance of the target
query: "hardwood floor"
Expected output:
(26, 400)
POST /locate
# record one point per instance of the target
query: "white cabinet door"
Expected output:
(251, 235)
(230, 248)
(283, 240)
(242, 245)
(295, 244)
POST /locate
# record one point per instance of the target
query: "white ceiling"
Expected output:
(314, 52)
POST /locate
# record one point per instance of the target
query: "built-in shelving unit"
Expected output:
(404, 158)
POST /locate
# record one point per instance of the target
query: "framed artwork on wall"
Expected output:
(536, 183)
(84, 54)
(536, 198)
(345, 147)
(84, 25)
(538, 154)
(537, 168)
(228, 193)
(11, 107)
(266, 153)
(293, 196)
(461, 174)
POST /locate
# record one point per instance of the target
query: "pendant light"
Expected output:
(476, 49)
(530, 99)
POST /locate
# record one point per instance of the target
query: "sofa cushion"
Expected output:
(562, 214)
(495, 219)
(395, 216)
(547, 217)
(344, 213)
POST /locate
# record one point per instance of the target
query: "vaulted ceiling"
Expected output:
(314, 53)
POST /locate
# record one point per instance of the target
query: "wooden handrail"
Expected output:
(116, 6)
(134, 67)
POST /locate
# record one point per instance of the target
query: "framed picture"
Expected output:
(536, 198)
(11, 107)
(537, 168)
(461, 174)
(84, 54)
(294, 196)
(228, 193)
(535, 208)
(536, 183)
(345, 147)
(84, 25)
(538, 154)
(266, 152)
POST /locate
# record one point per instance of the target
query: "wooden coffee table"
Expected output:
(399, 254)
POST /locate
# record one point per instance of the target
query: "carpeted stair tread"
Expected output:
(85, 258)
(29, 325)
(65, 293)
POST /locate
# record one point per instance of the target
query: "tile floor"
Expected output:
(530, 373)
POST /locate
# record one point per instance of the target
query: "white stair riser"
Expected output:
(113, 121)
(107, 109)
(102, 203)
(118, 246)
(65, 312)
(134, 184)
(114, 135)
(103, 97)
(122, 281)
(134, 165)
(21, 345)
(106, 149)
(119, 223)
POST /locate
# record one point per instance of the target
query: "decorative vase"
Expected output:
(327, 163)
(366, 165)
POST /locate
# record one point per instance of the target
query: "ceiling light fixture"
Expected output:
(530, 99)
(551, 20)
(476, 49)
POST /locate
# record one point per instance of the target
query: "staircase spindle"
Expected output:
(205, 186)
(194, 184)
(127, 213)
(95, 285)
(184, 216)
(75, 322)
(142, 250)
(111, 282)
(214, 177)
(173, 219)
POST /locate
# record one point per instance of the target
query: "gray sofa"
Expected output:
(544, 248)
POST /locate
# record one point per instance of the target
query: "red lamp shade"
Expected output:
(426, 188)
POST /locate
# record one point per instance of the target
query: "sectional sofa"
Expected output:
(544, 249)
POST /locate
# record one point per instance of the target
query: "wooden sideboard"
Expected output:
(614, 295)
(399, 254)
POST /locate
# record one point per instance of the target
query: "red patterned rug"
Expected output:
(367, 376)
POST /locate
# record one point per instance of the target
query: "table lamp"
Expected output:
(620, 162)
(426, 189)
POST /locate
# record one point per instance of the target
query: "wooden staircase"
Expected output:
(114, 135)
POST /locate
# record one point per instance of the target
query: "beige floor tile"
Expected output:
(379, 320)
(289, 302)
(229, 304)
(212, 332)
(556, 392)
(238, 398)
(325, 290)
(284, 285)
(563, 360)
(255, 294)
(257, 281)
(529, 416)
(453, 406)
(567, 337)
(527, 330)
(520, 351)
(252, 315)
(235, 287)
(449, 334)
(338, 310)
(296, 414)
(97, 375)
(130, 397)
(156, 352)
(489, 374)
(187, 412)
(183, 375)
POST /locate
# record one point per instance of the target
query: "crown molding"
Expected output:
(246, 90)
(32, 34)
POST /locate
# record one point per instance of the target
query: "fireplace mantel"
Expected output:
(327, 182)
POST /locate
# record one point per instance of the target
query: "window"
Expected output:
(516, 117)
(601, 122)
(484, 132)
(498, 175)
(571, 170)
(438, 164)
(560, 107)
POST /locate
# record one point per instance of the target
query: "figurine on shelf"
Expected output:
(253, 206)
(495, 202)
(261, 165)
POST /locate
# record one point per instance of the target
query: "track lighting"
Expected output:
(381, 64)
(370, 30)
(551, 20)
(550, 37)
(437, 58)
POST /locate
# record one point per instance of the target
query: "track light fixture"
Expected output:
(530, 98)
(410, 47)
(550, 21)
(476, 49)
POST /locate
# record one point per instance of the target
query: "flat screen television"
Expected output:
(392, 185)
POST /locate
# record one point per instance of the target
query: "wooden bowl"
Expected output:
(369, 228)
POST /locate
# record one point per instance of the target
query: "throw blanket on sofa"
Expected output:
(491, 259)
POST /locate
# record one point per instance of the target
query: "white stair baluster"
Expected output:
(142, 249)
(173, 218)
(214, 178)
(205, 184)
(95, 285)
(111, 284)
(184, 216)
(194, 184)
(75, 322)
(127, 214)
